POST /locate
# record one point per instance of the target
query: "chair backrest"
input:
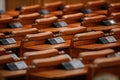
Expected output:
(86, 38)
(73, 8)
(27, 19)
(67, 34)
(73, 18)
(93, 21)
(19, 35)
(82, 39)
(29, 56)
(2, 51)
(114, 7)
(2, 35)
(4, 21)
(34, 39)
(104, 66)
(54, 6)
(45, 64)
(89, 56)
(115, 16)
(45, 22)
(116, 33)
(30, 9)
(51, 61)
(7, 58)
(97, 5)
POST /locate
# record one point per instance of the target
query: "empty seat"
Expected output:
(19, 35)
(42, 41)
(7, 58)
(55, 8)
(68, 34)
(28, 19)
(78, 8)
(5, 73)
(116, 17)
(114, 8)
(90, 41)
(99, 23)
(4, 21)
(116, 33)
(49, 68)
(73, 19)
(29, 56)
(89, 56)
(29, 9)
(104, 66)
(73, 8)
(25, 21)
(99, 7)
(52, 24)
(46, 24)
(24, 10)
(8, 42)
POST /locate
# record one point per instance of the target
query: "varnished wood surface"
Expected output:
(12, 4)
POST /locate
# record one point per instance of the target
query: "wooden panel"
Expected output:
(12, 4)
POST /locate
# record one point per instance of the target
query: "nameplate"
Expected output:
(56, 40)
(43, 12)
(108, 39)
(15, 25)
(7, 41)
(86, 11)
(109, 22)
(60, 24)
(74, 64)
(16, 65)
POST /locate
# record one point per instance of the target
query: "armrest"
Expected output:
(8, 58)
